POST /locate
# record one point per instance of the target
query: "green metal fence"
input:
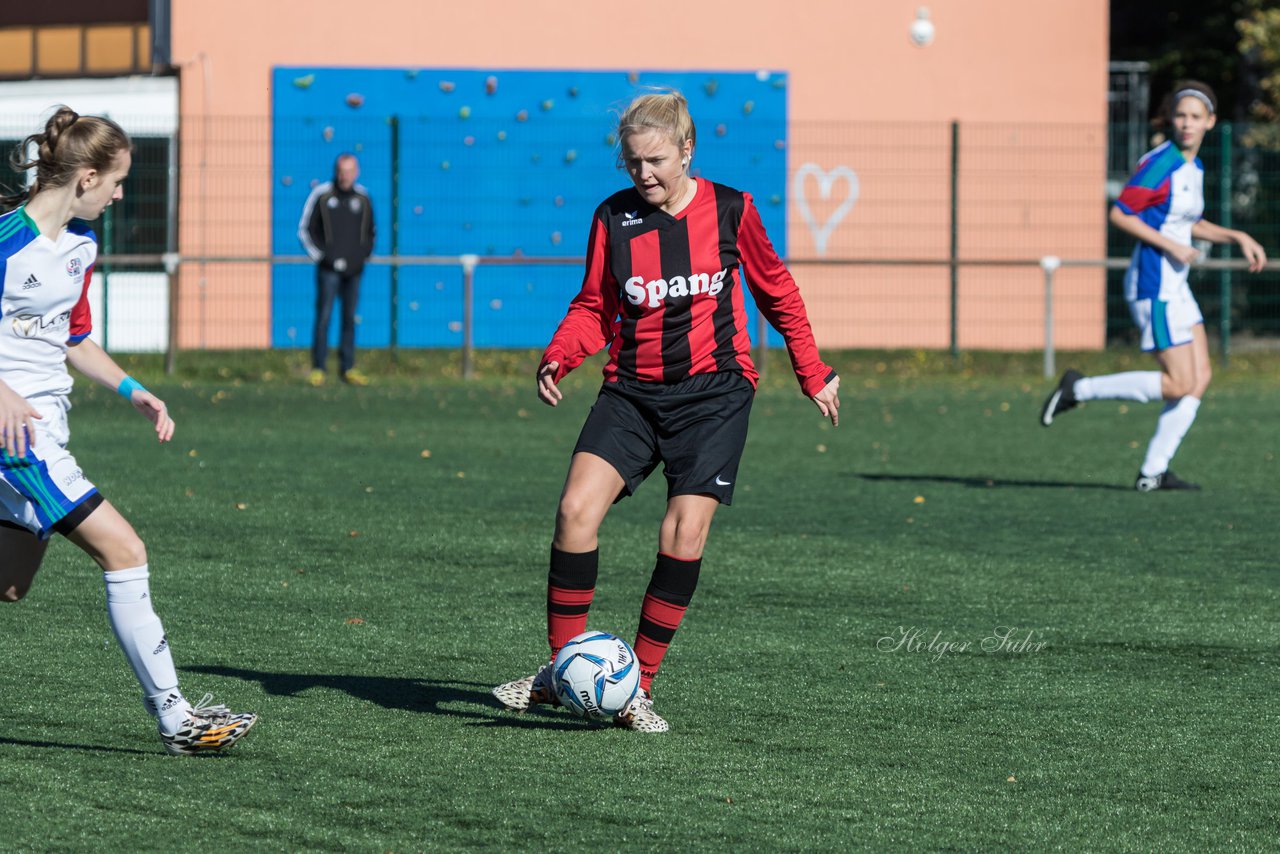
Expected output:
(1242, 191)
(956, 194)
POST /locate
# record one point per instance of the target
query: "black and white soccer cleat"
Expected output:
(1062, 399)
(1164, 480)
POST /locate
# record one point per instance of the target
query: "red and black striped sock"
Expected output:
(670, 590)
(571, 584)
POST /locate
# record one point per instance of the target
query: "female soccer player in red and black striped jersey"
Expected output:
(47, 254)
(663, 291)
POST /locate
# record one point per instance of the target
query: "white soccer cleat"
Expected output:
(208, 729)
(533, 690)
(640, 716)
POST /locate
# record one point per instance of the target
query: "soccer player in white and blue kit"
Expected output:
(1162, 206)
(47, 253)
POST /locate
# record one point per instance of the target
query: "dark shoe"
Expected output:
(1165, 480)
(1062, 399)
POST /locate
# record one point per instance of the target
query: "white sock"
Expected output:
(142, 638)
(1175, 421)
(1142, 386)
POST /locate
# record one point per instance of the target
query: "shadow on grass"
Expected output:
(428, 696)
(983, 482)
(62, 745)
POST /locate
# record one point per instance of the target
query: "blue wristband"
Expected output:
(128, 386)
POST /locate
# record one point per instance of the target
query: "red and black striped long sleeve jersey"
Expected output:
(665, 293)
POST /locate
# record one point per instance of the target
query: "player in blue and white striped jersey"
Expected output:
(47, 253)
(1162, 206)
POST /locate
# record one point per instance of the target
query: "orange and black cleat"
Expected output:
(208, 729)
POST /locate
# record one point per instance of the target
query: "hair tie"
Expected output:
(52, 139)
(1193, 93)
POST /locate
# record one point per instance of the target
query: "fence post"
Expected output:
(1050, 264)
(469, 263)
(171, 351)
(955, 238)
(1224, 276)
(394, 121)
(171, 257)
(108, 244)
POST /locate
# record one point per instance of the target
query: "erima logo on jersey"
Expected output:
(30, 325)
(631, 218)
(638, 290)
(31, 282)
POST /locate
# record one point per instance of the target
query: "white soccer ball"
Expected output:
(596, 675)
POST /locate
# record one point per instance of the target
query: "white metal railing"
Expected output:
(169, 262)
(1050, 264)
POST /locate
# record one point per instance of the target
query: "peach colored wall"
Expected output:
(991, 61)
(1006, 70)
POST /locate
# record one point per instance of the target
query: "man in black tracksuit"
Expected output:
(336, 229)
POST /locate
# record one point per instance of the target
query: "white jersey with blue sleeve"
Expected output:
(1167, 193)
(44, 309)
(44, 304)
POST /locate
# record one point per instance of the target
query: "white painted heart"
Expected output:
(826, 179)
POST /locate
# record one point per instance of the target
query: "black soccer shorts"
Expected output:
(696, 427)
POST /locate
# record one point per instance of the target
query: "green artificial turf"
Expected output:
(360, 566)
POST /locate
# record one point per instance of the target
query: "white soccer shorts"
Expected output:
(1166, 324)
(45, 485)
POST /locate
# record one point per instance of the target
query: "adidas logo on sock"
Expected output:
(169, 703)
(31, 282)
(164, 644)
